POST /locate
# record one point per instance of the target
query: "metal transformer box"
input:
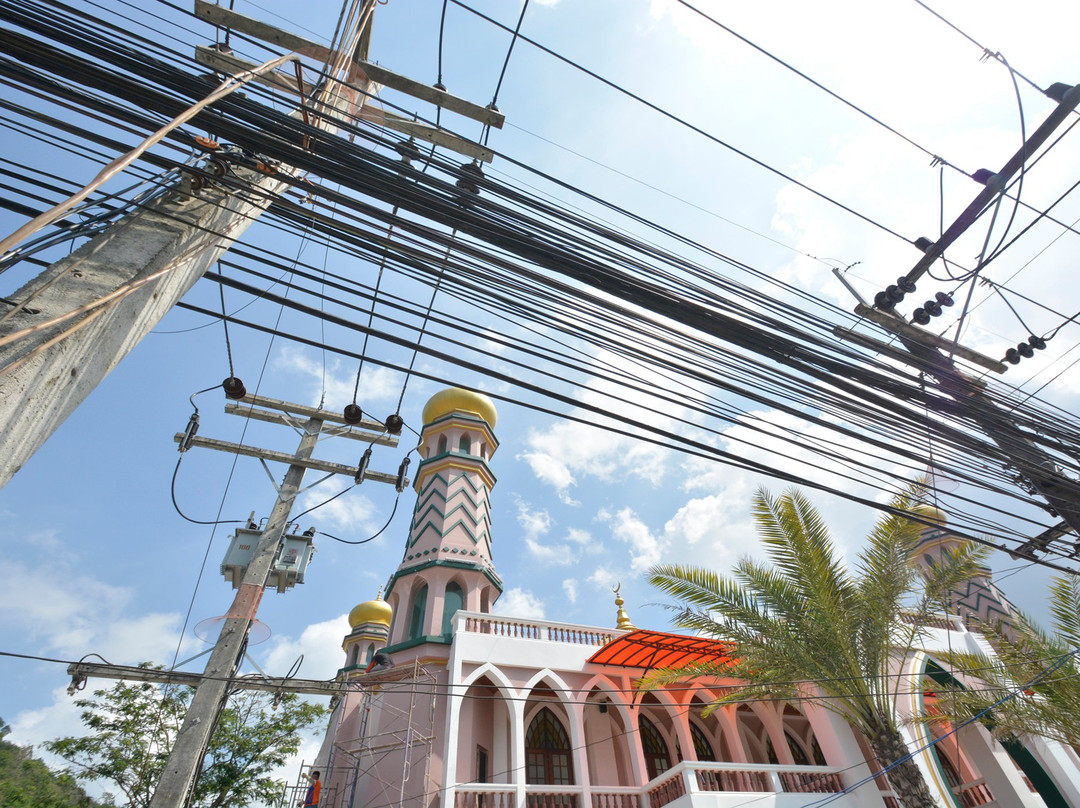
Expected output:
(288, 567)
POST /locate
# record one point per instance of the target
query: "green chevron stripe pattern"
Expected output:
(472, 514)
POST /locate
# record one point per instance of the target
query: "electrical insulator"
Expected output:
(234, 388)
(394, 423)
(409, 151)
(1012, 356)
(1025, 350)
(361, 469)
(905, 285)
(883, 301)
(920, 317)
(944, 299)
(933, 308)
(923, 243)
(189, 432)
(1038, 343)
(401, 480)
(352, 414)
(470, 175)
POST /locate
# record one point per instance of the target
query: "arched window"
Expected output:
(798, 754)
(370, 654)
(416, 619)
(652, 744)
(464, 445)
(702, 748)
(547, 752)
(442, 444)
(453, 601)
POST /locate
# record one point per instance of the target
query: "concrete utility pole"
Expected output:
(86, 312)
(177, 781)
(74, 322)
(1027, 457)
(185, 760)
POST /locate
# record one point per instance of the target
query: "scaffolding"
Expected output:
(388, 763)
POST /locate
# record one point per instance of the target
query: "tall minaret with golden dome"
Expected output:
(447, 563)
(978, 597)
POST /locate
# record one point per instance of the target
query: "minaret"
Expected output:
(447, 563)
(978, 597)
(370, 624)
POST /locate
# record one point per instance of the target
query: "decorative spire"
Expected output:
(622, 619)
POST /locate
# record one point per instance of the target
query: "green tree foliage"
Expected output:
(1035, 671)
(133, 726)
(28, 783)
(829, 635)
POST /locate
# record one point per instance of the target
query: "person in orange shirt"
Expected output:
(311, 799)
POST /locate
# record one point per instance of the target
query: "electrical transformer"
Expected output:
(288, 568)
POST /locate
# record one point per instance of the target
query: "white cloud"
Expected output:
(645, 548)
(568, 452)
(551, 471)
(535, 522)
(711, 531)
(351, 512)
(57, 720)
(320, 645)
(579, 536)
(75, 614)
(604, 578)
(570, 588)
(520, 603)
(378, 385)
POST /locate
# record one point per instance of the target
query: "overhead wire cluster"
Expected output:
(577, 310)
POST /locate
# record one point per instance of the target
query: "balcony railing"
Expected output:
(478, 623)
(684, 780)
(689, 778)
(974, 794)
(479, 795)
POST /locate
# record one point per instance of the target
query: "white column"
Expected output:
(579, 743)
(996, 767)
(1060, 763)
(517, 746)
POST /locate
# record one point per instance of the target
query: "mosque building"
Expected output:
(452, 706)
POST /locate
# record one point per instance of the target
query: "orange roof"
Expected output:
(657, 649)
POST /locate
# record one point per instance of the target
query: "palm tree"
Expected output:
(1033, 674)
(831, 635)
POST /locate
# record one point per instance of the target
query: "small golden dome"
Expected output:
(456, 399)
(371, 611)
(931, 513)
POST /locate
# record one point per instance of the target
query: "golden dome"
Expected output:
(456, 399)
(930, 513)
(371, 611)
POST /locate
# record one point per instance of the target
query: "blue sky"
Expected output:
(100, 563)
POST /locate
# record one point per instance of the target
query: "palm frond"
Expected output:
(1065, 609)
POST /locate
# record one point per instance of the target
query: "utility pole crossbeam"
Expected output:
(1035, 465)
(81, 671)
(1068, 99)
